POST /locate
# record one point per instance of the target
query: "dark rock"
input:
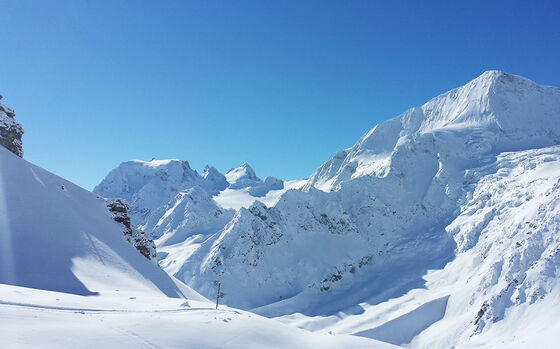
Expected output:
(11, 131)
(139, 239)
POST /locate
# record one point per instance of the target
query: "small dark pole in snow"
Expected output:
(219, 294)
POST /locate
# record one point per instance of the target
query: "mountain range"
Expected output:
(446, 214)
(439, 228)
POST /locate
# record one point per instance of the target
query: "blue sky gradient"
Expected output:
(281, 85)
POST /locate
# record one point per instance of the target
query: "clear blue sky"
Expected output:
(281, 85)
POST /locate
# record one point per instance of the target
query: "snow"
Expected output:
(182, 209)
(430, 231)
(507, 250)
(237, 198)
(498, 111)
(402, 329)
(242, 173)
(34, 318)
(70, 239)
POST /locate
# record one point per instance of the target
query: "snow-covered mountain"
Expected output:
(438, 227)
(156, 188)
(495, 112)
(181, 208)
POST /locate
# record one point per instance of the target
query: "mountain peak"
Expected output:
(242, 173)
(155, 163)
(496, 111)
(490, 77)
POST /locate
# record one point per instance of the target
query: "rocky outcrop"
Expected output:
(139, 239)
(10, 131)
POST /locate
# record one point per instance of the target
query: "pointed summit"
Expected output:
(213, 179)
(494, 112)
(241, 173)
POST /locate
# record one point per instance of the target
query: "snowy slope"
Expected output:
(34, 318)
(57, 236)
(180, 208)
(502, 287)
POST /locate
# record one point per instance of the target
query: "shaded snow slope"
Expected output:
(57, 236)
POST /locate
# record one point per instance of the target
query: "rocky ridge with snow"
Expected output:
(11, 131)
(139, 239)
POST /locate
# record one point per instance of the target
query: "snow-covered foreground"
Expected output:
(33, 318)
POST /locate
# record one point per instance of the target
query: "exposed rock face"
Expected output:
(140, 240)
(10, 131)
